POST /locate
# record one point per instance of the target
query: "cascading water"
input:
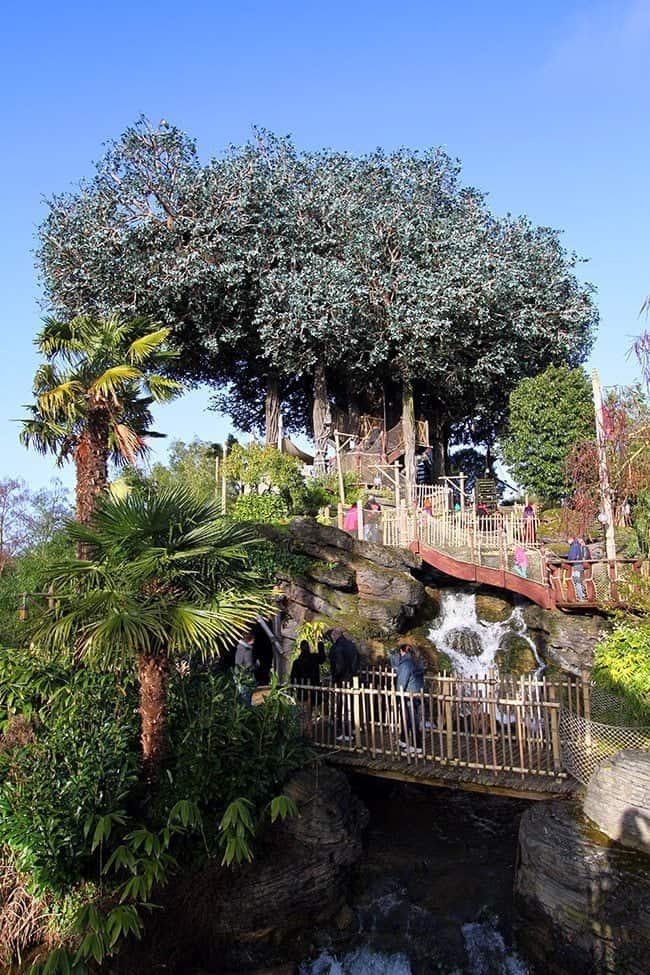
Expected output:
(472, 644)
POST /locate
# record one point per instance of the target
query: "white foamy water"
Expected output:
(363, 961)
(487, 953)
(472, 644)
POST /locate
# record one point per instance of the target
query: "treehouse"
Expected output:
(365, 445)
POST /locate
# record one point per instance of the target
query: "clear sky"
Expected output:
(546, 104)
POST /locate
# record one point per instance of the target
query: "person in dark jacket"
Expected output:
(344, 665)
(575, 556)
(306, 667)
(409, 677)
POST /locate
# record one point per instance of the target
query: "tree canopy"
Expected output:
(549, 415)
(311, 280)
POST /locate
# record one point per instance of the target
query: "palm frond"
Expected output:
(112, 381)
(144, 346)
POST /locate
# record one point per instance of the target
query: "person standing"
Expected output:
(245, 667)
(344, 665)
(529, 523)
(576, 556)
(409, 677)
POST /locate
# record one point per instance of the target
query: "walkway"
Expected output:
(488, 734)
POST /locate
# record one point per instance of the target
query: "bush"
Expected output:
(622, 665)
(75, 823)
(262, 508)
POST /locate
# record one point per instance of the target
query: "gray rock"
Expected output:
(565, 639)
(583, 902)
(618, 798)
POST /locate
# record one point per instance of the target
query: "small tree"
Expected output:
(548, 416)
(93, 395)
(167, 576)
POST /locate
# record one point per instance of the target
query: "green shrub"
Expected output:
(262, 508)
(622, 665)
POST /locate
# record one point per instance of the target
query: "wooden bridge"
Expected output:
(488, 550)
(485, 734)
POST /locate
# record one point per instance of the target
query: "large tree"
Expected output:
(93, 395)
(315, 278)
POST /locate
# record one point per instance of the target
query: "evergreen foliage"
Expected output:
(548, 415)
(307, 276)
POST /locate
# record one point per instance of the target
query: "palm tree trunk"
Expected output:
(153, 672)
(91, 461)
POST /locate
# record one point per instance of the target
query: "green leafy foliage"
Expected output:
(548, 415)
(622, 665)
(381, 267)
(71, 811)
(261, 508)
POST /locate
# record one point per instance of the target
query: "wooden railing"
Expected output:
(485, 723)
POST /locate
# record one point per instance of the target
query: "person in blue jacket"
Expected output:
(409, 677)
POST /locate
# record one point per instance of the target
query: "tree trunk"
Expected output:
(91, 462)
(321, 418)
(408, 434)
(153, 672)
(272, 412)
(438, 438)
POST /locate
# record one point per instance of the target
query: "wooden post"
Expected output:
(555, 738)
(586, 700)
(360, 519)
(603, 473)
(356, 712)
(223, 478)
(340, 516)
(397, 497)
(461, 482)
(22, 612)
(339, 469)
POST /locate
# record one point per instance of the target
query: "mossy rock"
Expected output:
(492, 609)
(515, 655)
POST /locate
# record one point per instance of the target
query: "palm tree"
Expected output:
(93, 395)
(167, 576)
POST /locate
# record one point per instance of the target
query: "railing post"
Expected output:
(360, 535)
(403, 526)
(339, 516)
(461, 482)
(396, 473)
(472, 543)
(356, 712)
(555, 738)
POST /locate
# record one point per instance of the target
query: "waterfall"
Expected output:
(470, 643)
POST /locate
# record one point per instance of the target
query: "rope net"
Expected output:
(587, 741)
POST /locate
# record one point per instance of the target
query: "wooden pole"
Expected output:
(339, 469)
(603, 473)
(360, 519)
(223, 477)
(397, 497)
(461, 482)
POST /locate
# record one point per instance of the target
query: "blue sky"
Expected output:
(545, 103)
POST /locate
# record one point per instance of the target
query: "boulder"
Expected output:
(493, 609)
(381, 583)
(297, 879)
(565, 639)
(583, 903)
(618, 798)
(515, 655)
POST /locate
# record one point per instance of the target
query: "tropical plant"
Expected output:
(622, 665)
(93, 395)
(166, 576)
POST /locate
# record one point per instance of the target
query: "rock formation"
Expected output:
(618, 798)
(298, 878)
(583, 901)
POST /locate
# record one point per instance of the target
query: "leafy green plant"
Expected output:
(622, 665)
(262, 508)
